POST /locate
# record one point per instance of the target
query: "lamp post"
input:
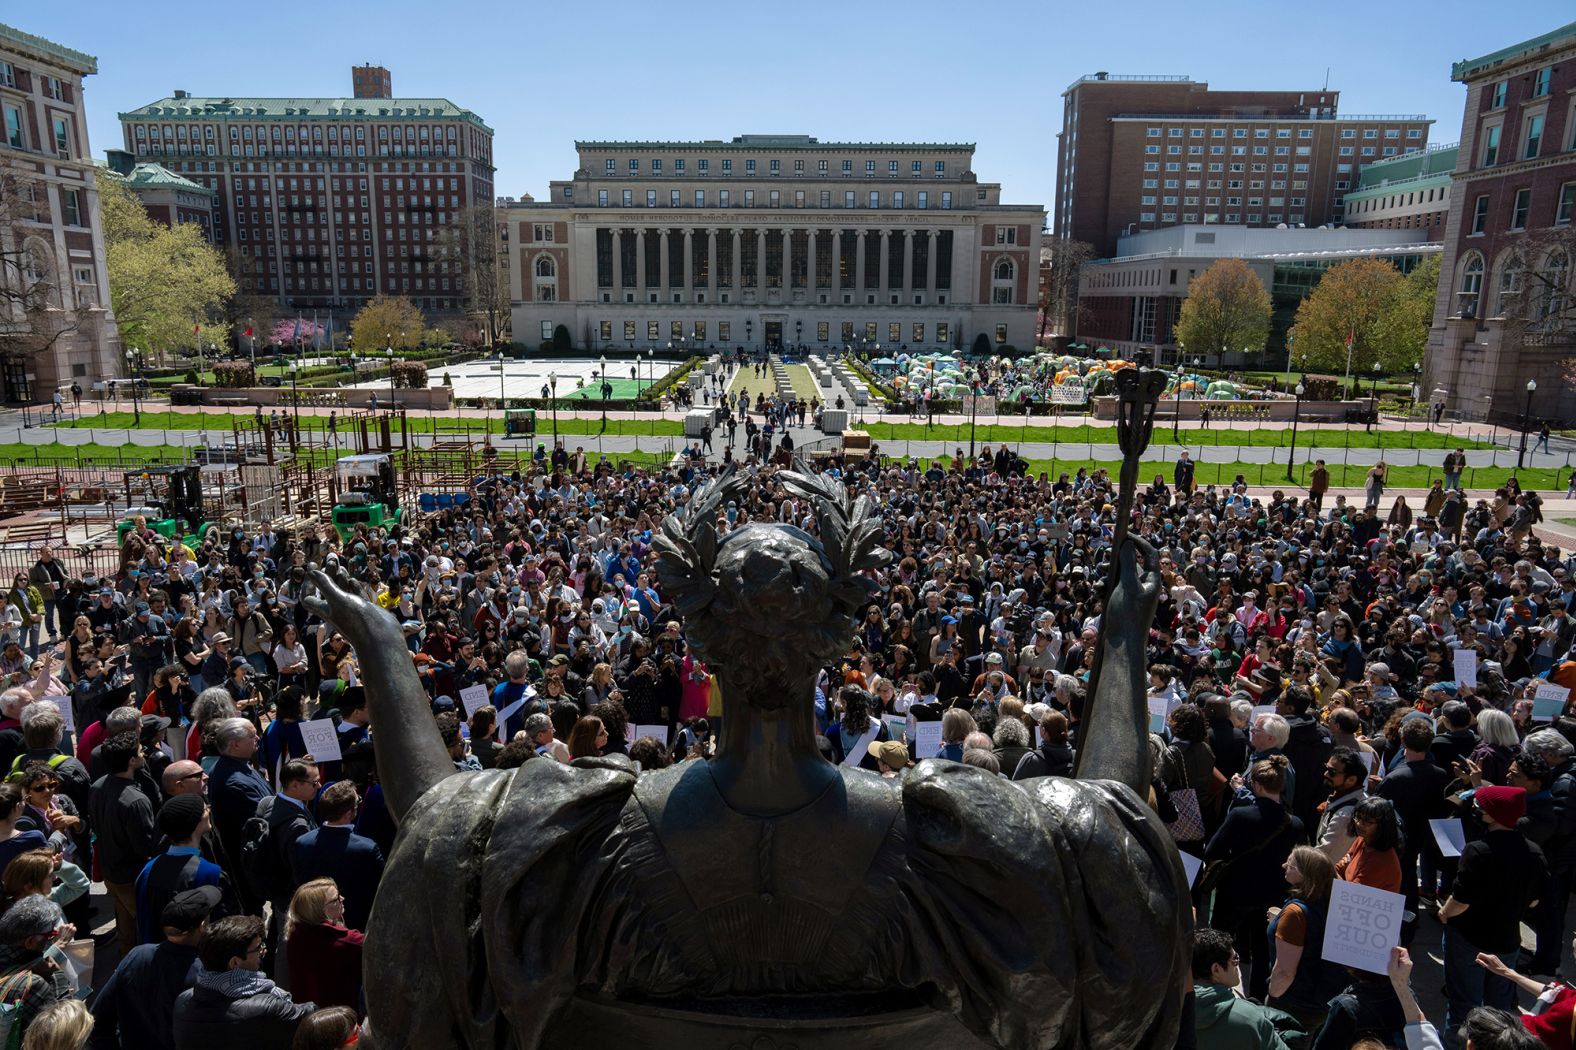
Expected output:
(1296, 411)
(391, 378)
(295, 398)
(1373, 413)
(1176, 407)
(136, 402)
(607, 387)
(1526, 422)
(501, 404)
(552, 381)
(974, 402)
(1417, 386)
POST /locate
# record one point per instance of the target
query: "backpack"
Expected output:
(15, 774)
(255, 860)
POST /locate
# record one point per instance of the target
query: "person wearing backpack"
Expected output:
(1301, 982)
(29, 930)
(42, 731)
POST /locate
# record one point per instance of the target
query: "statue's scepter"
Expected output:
(1137, 397)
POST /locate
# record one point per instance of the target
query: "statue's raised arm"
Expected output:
(411, 756)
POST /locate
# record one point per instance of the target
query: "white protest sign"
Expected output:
(1261, 709)
(1466, 668)
(657, 733)
(474, 697)
(897, 727)
(64, 704)
(321, 740)
(1069, 394)
(927, 740)
(1369, 758)
(1548, 703)
(1364, 924)
(1192, 866)
(1159, 708)
(1450, 835)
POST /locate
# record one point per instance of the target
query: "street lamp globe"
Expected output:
(1532, 385)
(1300, 389)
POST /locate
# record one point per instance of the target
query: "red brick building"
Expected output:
(330, 201)
(1512, 206)
(1145, 152)
(166, 196)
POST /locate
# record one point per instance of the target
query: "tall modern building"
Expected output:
(771, 240)
(55, 326)
(1143, 152)
(329, 201)
(1504, 315)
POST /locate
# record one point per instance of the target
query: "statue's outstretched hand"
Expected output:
(1138, 582)
(338, 599)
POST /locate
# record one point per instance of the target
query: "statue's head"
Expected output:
(768, 604)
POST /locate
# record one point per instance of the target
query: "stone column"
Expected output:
(737, 263)
(711, 263)
(788, 266)
(664, 278)
(930, 271)
(908, 263)
(859, 261)
(837, 265)
(886, 256)
(640, 262)
(689, 259)
(760, 264)
(810, 264)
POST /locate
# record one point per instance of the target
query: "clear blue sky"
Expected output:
(989, 72)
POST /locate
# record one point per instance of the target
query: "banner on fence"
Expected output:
(1069, 394)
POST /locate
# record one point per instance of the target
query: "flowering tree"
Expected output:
(284, 332)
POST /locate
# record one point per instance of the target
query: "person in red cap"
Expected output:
(1498, 878)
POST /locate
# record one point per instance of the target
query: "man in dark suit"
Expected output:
(289, 817)
(333, 850)
(1417, 790)
(235, 788)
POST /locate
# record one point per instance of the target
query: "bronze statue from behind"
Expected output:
(767, 898)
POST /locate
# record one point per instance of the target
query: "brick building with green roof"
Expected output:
(329, 201)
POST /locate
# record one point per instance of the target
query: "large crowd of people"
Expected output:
(1313, 710)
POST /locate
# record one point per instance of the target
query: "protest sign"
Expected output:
(927, 740)
(897, 727)
(1261, 709)
(64, 704)
(1466, 667)
(1192, 866)
(1548, 703)
(1363, 925)
(657, 733)
(474, 698)
(321, 740)
(1450, 835)
(1159, 708)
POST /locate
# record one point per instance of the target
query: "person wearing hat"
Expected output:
(890, 755)
(183, 821)
(994, 665)
(1497, 878)
(136, 1006)
(147, 636)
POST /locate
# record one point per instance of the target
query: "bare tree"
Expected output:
(472, 248)
(1534, 297)
(1059, 310)
(38, 303)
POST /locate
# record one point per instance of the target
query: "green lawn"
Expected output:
(1350, 476)
(799, 375)
(1269, 436)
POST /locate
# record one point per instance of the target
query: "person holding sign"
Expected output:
(1301, 982)
(1499, 876)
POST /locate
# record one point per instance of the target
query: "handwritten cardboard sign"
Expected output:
(927, 740)
(1364, 924)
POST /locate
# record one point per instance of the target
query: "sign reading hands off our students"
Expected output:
(1364, 924)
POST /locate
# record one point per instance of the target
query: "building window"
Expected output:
(700, 198)
(943, 332)
(601, 198)
(1497, 94)
(1567, 204)
(1480, 214)
(1519, 209)
(62, 138)
(653, 331)
(1471, 286)
(1553, 276)
(724, 198)
(70, 207)
(1534, 136)
(13, 127)
(724, 330)
(629, 198)
(777, 167)
(946, 200)
(704, 165)
(1490, 145)
(1540, 81)
(1001, 334)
